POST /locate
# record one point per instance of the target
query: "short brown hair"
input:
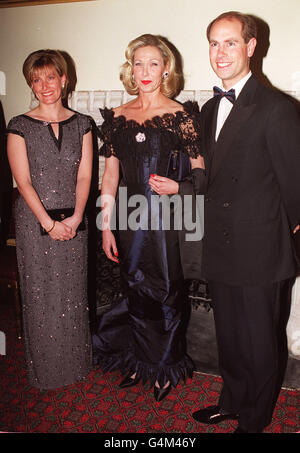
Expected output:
(42, 59)
(249, 28)
(170, 84)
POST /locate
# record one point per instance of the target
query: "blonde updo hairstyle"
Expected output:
(170, 84)
(42, 59)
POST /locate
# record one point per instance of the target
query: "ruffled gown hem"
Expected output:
(128, 365)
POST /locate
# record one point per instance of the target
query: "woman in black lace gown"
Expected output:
(153, 140)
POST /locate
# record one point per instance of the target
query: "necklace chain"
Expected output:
(46, 123)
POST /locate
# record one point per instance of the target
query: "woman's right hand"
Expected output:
(61, 232)
(109, 245)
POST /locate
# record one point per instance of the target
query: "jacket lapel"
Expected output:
(239, 115)
(209, 131)
(210, 125)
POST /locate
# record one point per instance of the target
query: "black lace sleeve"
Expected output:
(189, 129)
(107, 133)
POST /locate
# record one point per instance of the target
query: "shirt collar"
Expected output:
(240, 84)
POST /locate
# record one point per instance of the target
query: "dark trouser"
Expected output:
(251, 335)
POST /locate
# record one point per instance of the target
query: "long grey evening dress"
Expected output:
(53, 274)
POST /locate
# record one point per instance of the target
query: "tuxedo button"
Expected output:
(207, 199)
(226, 237)
(226, 204)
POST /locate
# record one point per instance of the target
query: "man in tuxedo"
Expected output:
(251, 148)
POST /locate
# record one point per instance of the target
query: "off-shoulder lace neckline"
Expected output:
(156, 119)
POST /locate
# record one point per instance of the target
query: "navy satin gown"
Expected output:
(145, 333)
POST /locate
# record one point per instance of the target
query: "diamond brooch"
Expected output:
(140, 137)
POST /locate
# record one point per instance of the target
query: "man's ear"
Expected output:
(251, 47)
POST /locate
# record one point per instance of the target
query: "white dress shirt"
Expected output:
(225, 105)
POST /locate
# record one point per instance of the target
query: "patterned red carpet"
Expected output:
(97, 405)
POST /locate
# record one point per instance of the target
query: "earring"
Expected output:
(166, 74)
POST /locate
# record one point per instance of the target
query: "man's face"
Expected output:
(228, 53)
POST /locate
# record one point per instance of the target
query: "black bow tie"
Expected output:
(230, 95)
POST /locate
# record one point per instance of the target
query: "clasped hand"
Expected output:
(65, 230)
(163, 185)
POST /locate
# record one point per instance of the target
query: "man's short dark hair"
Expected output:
(249, 29)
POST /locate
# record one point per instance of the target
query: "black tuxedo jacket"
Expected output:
(252, 188)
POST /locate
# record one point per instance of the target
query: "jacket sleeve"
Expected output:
(190, 240)
(194, 183)
(283, 143)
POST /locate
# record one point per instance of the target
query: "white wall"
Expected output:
(95, 34)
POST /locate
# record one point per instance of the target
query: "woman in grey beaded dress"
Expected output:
(50, 154)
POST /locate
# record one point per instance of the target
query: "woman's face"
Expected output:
(148, 68)
(47, 85)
